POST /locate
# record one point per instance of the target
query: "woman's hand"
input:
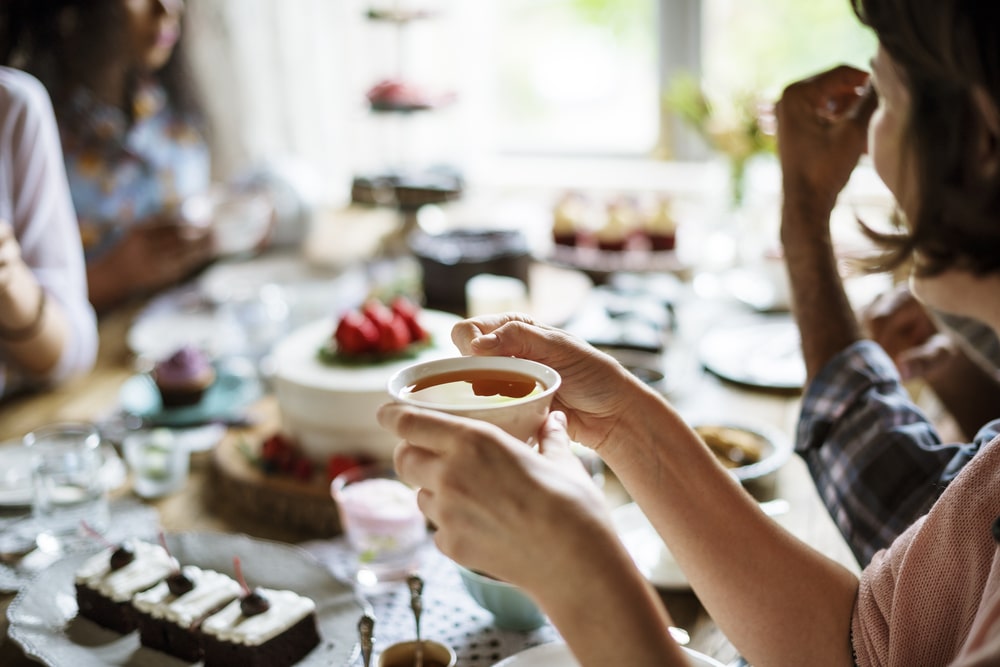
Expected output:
(162, 252)
(500, 506)
(150, 256)
(822, 132)
(596, 389)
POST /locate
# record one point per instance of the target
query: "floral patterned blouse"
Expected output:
(122, 173)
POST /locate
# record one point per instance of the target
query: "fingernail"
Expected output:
(559, 417)
(486, 342)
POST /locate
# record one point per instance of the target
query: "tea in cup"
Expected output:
(512, 393)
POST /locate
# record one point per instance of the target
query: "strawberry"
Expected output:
(356, 334)
(393, 335)
(339, 463)
(376, 311)
(409, 311)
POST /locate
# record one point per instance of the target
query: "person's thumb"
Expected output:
(553, 440)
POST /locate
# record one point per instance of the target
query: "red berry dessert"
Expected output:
(661, 227)
(330, 376)
(618, 228)
(397, 95)
(377, 332)
(569, 219)
(183, 377)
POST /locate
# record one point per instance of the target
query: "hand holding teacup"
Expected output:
(483, 489)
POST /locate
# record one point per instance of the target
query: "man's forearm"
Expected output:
(826, 320)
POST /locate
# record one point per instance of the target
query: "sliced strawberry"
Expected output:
(376, 311)
(393, 335)
(356, 334)
(409, 312)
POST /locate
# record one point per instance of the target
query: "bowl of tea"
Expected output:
(515, 394)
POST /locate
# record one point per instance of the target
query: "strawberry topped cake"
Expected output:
(330, 375)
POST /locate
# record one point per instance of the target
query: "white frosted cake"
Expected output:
(329, 408)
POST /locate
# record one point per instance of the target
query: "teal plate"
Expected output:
(223, 401)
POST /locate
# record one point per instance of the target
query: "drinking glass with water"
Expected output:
(68, 490)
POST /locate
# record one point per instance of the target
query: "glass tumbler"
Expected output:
(70, 498)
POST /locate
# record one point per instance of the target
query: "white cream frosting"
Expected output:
(286, 609)
(331, 409)
(662, 222)
(211, 590)
(151, 564)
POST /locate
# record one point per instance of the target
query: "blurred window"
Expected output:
(585, 77)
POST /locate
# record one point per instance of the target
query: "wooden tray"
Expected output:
(239, 485)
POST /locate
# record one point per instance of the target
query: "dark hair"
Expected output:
(37, 36)
(944, 50)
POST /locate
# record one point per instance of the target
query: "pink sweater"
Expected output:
(933, 597)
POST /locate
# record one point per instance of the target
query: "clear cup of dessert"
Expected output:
(383, 525)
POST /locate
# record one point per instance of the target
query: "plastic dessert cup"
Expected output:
(382, 523)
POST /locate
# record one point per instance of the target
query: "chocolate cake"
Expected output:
(169, 614)
(106, 582)
(268, 628)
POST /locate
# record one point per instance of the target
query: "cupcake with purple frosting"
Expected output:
(183, 377)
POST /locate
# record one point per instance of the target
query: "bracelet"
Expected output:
(28, 331)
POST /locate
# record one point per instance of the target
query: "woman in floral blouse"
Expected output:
(131, 133)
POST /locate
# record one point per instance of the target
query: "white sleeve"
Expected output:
(35, 198)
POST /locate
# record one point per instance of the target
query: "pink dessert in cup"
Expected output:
(380, 518)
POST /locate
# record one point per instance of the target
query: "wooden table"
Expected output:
(96, 395)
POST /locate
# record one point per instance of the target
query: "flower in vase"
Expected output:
(738, 127)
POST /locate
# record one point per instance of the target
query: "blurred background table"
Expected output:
(691, 388)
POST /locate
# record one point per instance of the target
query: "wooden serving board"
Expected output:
(240, 485)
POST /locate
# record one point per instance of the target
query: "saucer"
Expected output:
(224, 400)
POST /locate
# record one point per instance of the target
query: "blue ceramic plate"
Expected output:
(224, 400)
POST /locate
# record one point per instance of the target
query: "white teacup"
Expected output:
(515, 394)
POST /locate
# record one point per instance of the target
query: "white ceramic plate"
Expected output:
(15, 473)
(558, 655)
(650, 554)
(43, 617)
(764, 354)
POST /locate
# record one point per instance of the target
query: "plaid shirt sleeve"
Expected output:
(877, 461)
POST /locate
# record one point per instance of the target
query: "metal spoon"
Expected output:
(416, 585)
(366, 630)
